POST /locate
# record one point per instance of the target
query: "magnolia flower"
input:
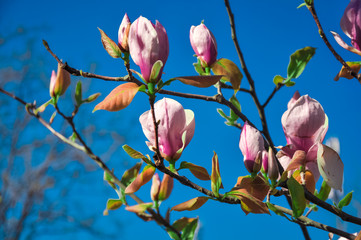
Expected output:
(305, 125)
(148, 44)
(175, 129)
(203, 43)
(123, 33)
(251, 144)
(59, 82)
(351, 26)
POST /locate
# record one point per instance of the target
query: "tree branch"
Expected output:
(312, 9)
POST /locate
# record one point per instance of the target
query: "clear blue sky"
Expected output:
(268, 32)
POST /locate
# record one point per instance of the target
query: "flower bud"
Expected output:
(204, 44)
(59, 82)
(123, 33)
(175, 129)
(148, 43)
(154, 190)
(303, 123)
(273, 171)
(251, 144)
(351, 23)
(264, 161)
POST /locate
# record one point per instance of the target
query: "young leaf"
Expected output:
(190, 205)
(135, 154)
(91, 98)
(119, 98)
(236, 103)
(330, 166)
(278, 80)
(113, 204)
(298, 160)
(256, 187)
(216, 176)
(142, 178)
(107, 177)
(345, 201)
(172, 235)
(130, 174)
(140, 208)
(198, 171)
(157, 66)
(181, 223)
(308, 177)
(109, 45)
(298, 61)
(220, 111)
(78, 94)
(198, 67)
(249, 203)
(298, 197)
(189, 230)
(200, 81)
(230, 72)
(355, 66)
(324, 191)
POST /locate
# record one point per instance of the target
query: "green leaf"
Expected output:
(135, 154)
(172, 235)
(91, 98)
(78, 94)
(113, 204)
(301, 5)
(198, 67)
(236, 103)
(108, 178)
(220, 111)
(298, 61)
(345, 201)
(157, 66)
(298, 197)
(130, 174)
(278, 79)
(189, 230)
(110, 46)
(324, 191)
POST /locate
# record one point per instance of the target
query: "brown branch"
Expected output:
(261, 111)
(84, 148)
(312, 9)
(75, 72)
(278, 87)
(159, 158)
(308, 222)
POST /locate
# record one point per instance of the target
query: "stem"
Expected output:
(172, 166)
(311, 8)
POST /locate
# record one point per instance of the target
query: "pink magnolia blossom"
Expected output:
(305, 125)
(251, 144)
(148, 43)
(351, 23)
(59, 82)
(175, 130)
(203, 43)
(123, 33)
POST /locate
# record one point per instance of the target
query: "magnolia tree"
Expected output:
(290, 172)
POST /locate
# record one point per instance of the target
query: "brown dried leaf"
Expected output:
(256, 187)
(200, 81)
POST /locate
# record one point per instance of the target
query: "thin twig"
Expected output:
(278, 87)
(261, 111)
(84, 148)
(308, 222)
(312, 9)
(75, 72)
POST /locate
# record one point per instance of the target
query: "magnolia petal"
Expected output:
(330, 166)
(298, 159)
(342, 43)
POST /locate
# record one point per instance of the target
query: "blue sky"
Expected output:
(268, 32)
